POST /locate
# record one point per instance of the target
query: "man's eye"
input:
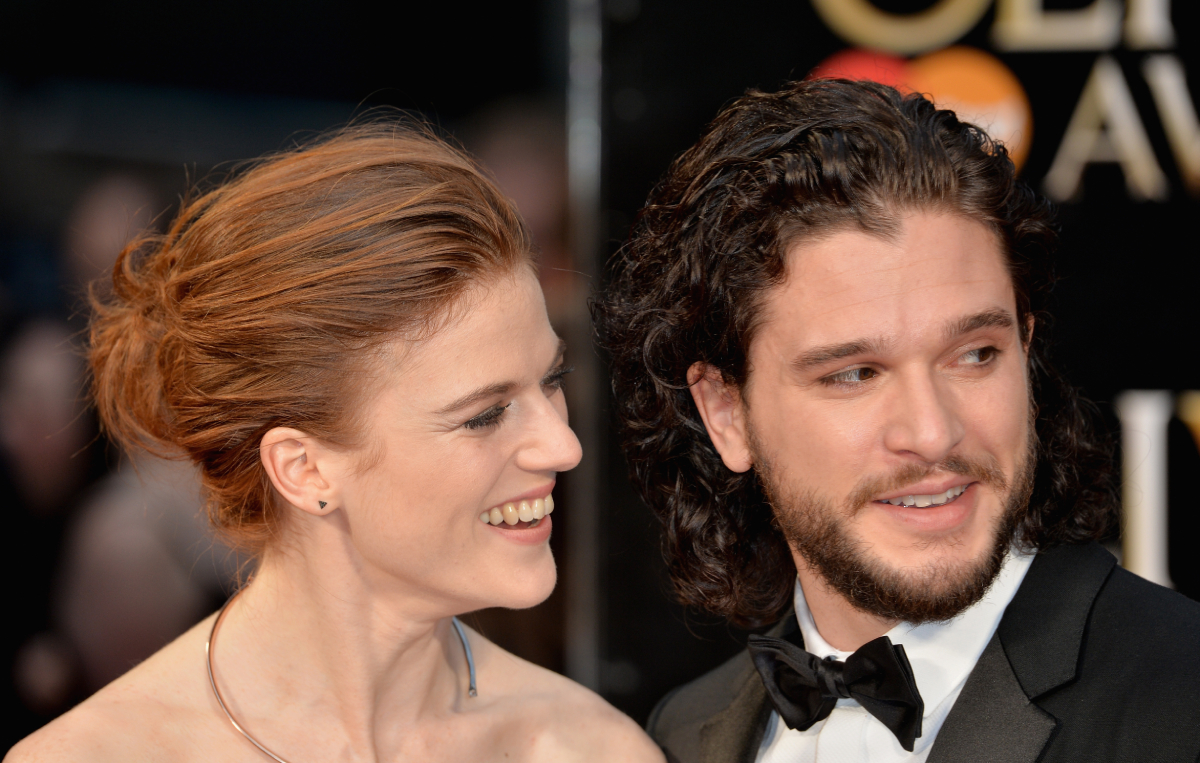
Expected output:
(852, 376)
(489, 418)
(980, 356)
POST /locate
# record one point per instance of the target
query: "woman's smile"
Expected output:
(520, 512)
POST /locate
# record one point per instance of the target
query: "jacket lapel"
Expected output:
(992, 719)
(1042, 630)
(1035, 649)
(734, 734)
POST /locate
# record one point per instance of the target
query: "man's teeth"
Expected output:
(518, 511)
(921, 501)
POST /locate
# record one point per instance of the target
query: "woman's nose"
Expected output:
(552, 444)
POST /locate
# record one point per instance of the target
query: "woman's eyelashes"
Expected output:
(489, 418)
(555, 379)
(493, 416)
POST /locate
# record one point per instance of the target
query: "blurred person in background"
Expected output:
(140, 565)
(349, 342)
(48, 461)
(107, 215)
(117, 564)
(831, 363)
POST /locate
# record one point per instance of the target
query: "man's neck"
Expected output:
(843, 626)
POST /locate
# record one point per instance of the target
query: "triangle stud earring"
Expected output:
(322, 503)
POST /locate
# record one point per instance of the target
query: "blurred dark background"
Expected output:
(108, 112)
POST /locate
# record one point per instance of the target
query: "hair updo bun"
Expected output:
(257, 306)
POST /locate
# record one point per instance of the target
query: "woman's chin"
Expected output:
(528, 587)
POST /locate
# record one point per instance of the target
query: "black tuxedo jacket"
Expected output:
(1089, 663)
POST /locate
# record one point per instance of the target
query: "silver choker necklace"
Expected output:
(212, 681)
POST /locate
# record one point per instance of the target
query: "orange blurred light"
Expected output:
(975, 85)
(981, 90)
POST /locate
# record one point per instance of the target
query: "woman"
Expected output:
(350, 342)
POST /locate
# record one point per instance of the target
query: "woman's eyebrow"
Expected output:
(471, 398)
(558, 356)
(498, 389)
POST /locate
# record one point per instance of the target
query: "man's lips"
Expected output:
(927, 493)
(937, 513)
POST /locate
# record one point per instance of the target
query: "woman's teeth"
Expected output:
(518, 511)
(921, 501)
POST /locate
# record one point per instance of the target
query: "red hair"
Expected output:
(259, 305)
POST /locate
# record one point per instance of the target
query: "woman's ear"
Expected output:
(724, 417)
(293, 461)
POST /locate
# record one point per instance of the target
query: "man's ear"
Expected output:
(724, 417)
(1030, 325)
(293, 462)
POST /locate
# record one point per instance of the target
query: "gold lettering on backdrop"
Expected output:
(1025, 25)
(862, 23)
(1106, 128)
(1168, 84)
(1148, 24)
(1145, 416)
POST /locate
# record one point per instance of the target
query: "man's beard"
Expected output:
(935, 592)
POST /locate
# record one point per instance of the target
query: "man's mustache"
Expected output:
(987, 473)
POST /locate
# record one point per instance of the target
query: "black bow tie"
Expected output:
(805, 689)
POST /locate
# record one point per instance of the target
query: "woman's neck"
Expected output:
(320, 645)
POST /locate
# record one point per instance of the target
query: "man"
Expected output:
(829, 361)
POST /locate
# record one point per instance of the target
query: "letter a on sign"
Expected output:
(1106, 128)
(1168, 84)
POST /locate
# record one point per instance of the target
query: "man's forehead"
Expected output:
(936, 270)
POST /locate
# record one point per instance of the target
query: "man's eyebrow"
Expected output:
(994, 318)
(819, 356)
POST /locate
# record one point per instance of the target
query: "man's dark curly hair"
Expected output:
(772, 169)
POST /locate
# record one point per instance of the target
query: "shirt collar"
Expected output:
(942, 654)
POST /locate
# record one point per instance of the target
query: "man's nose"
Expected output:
(922, 419)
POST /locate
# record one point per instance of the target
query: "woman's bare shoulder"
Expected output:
(156, 711)
(573, 722)
(587, 728)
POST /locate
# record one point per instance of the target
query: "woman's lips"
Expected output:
(525, 533)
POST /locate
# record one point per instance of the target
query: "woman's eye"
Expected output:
(852, 376)
(980, 356)
(555, 379)
(489, 418)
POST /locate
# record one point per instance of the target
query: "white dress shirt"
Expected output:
(942, 656)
